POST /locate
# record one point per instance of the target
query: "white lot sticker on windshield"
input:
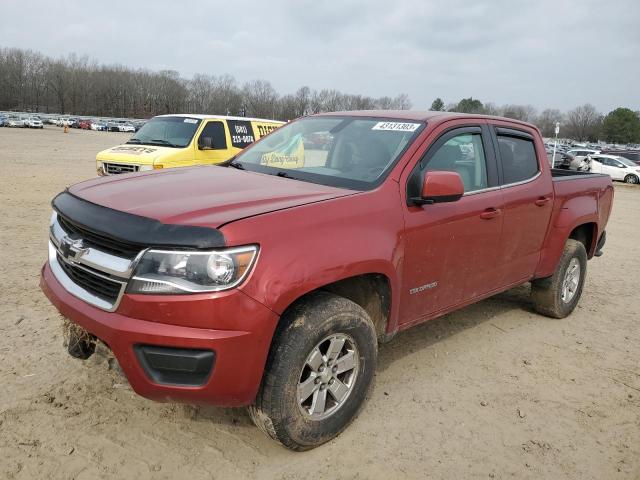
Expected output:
(190, 120)
(396, 126)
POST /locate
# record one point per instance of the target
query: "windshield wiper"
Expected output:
(160, 141)
(286, 175)
(134, 140)
(235, 164)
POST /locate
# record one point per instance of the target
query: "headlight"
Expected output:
(175, 272)
(145, 168)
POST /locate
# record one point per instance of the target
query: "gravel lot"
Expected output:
(491, 391)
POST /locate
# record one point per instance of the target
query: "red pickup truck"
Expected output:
(270, 282)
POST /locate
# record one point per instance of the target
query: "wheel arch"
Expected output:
(584, 230)
(587, 234)
(371, 291)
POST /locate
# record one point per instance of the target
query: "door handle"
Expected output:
(542, 201)
(490, 213)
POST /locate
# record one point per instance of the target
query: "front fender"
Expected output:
(307, 247)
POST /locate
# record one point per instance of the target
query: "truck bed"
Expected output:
(559, 174)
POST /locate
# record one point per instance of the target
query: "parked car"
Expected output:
(126, 127)
(269, 283)
(3, 120)
(98, 125)
(617, 167)
(169, 141)
(113, 126)
(84, 124)
(633, 155)
(15, 122)
(33, 122)
(138, 125)
(580, 153)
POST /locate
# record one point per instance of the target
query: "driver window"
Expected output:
(463, 154)
(213, 136)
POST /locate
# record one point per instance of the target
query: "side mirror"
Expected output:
(440, 187)
(205, 143)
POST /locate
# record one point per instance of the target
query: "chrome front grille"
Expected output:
(117, 168)
(99, 285)
(100, 242)
(88, 269)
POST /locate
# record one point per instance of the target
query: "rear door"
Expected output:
(527, 190)
(596, 164)
(451, 248)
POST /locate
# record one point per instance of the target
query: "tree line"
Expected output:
(77, 85)
(584, 122)
(30, 81)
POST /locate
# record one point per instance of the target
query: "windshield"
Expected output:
(174, 132)
(348, 152)
(626, 161)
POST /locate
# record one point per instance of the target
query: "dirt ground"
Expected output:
(491, 391)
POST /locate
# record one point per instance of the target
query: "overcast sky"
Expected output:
(548, 53)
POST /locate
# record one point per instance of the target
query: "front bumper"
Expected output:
(235, 327)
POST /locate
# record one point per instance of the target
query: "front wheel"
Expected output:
(558, 295)
(319, 371)
(631, 179)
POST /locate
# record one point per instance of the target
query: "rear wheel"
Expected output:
(319, 371)
(558, 295)
(631, 179)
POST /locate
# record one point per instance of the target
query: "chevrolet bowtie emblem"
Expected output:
(72, 249)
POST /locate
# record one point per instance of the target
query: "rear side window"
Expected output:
(213, 136)
(241, 133)
(463, 154)
(518, 156)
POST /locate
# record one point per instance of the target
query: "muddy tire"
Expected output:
(319, 371)
(558, 295)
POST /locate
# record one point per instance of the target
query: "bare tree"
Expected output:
(260, 98)
(583, 123)
(546, 121)
(302, 101)
(402, 102)
(492, 109)
(526, 113)
(80, 86)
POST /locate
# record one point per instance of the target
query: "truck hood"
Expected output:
(132, 153)
(207, 196)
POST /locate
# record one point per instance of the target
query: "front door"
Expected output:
(613, 168)
(451, 248)
(212, 144)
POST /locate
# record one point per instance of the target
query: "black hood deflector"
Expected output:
(134, 229)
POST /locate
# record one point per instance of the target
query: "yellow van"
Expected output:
(168, 141)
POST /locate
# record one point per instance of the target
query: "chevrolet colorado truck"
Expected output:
(269, 281)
